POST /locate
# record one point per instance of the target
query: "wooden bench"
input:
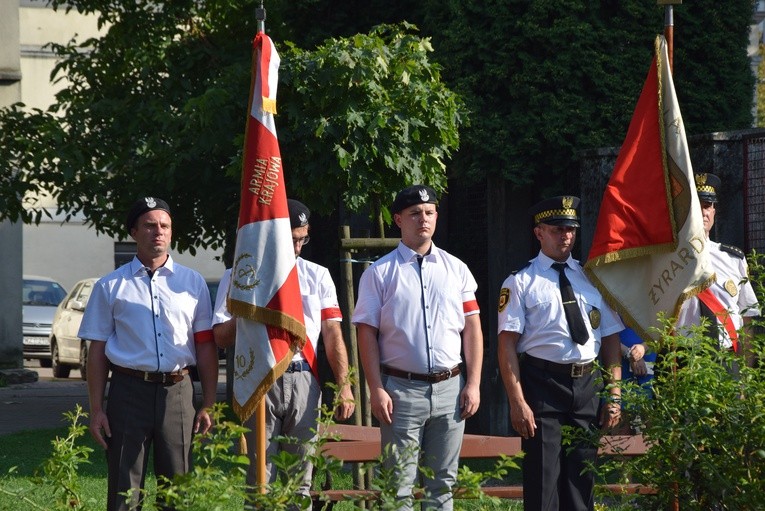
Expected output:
(361, 444)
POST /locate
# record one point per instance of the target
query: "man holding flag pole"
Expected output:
(264, 293)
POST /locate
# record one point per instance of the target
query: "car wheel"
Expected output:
(59, 371)
(84, 361)
(46, 362)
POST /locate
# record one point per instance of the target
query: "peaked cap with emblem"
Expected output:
(559, 210)
(143, 205)
(707, 186)
(299, 213)
(413, 195)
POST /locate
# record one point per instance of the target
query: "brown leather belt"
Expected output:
(430, 378)
(573, 370)
(162, 378)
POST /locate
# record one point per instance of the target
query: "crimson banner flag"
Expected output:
(649, 252)
(264, 294)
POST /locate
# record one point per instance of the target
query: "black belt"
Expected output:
(430, 378)
(296, 367)
(573, 370)
(163, 378)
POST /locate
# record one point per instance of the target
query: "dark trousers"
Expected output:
(143, 415)
(555, 476)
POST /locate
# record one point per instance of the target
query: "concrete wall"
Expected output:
(10, 234)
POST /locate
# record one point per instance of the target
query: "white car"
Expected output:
(66, 349)
(39, 298)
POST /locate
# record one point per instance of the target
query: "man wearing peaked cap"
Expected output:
(556, 211)
(552, 325)
(729, 304)
(292, 402)
(148, 322)
(707, 186)
(416, 312)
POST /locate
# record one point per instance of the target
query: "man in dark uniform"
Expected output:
(552, 325)
(730, 303)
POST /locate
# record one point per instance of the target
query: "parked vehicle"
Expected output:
(39, 298)
(67, 351)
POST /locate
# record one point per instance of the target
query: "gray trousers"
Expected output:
(426, 430)
(291, 410)
(143, 415)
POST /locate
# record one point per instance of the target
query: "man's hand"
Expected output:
(470, 400)
(99, 428)
(202, 422)
(346, 405)
(522, 419)
(382, 405)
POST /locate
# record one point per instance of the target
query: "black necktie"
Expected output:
(579, 333)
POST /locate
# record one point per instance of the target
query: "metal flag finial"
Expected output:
(260, 16)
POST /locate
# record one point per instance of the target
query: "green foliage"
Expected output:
(60, 472)
(370, 115)
(706, 426)
(545, 79)
(215, 480)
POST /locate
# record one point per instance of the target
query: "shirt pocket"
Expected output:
(592, 306)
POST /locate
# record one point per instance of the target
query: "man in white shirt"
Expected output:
(148, 321)
(730, 303)
(416, 310)
(553, 324)
(293, 401)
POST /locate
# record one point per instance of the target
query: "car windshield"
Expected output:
(42, 292)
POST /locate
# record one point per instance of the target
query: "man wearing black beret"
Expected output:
(416, 311)
(148, 321)
(292, 402)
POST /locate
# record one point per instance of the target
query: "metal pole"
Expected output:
(260, 16)
(669, 28)
(669, 34)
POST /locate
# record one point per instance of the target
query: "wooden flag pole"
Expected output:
(260, 444)
(669, 35)
(260, 412)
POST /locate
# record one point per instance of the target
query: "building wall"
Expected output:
(69, 251)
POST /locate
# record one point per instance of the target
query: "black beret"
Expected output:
(299, 213)
(556, 211)
(706, 186)
(143, 205)
(416, 194)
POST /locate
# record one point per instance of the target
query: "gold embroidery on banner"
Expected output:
(243, 274)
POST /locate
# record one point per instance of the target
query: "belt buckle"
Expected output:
(146, 376)
(577, 370)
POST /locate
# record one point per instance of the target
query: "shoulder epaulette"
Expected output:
(733, 250)
(521, 268)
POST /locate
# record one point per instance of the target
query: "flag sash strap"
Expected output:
(722, 314)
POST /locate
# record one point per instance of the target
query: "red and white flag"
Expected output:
(649, 251)
(265, 293)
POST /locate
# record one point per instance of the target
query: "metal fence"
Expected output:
(754, 193)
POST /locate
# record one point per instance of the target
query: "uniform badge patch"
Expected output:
(504, 298)
(731, 287)
(595, 318)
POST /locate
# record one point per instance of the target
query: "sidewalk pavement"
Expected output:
(42, 404)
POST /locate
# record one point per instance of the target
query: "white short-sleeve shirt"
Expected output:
(419, 311)
(149, 323)
(318, 294)
(531, 305)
